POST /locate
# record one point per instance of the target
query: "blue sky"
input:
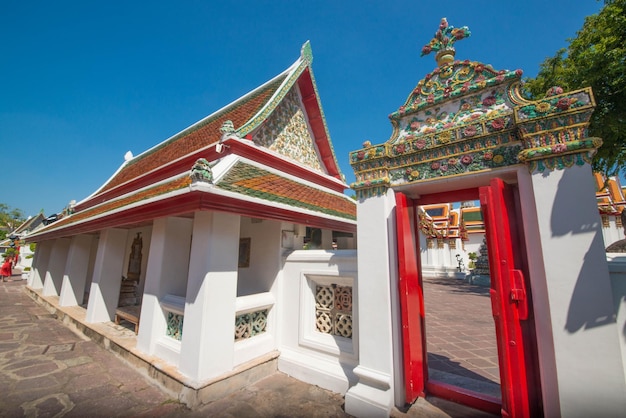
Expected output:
(82, 82)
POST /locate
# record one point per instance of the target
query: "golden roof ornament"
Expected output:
(443, 41)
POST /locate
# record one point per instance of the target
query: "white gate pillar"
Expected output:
(166, 273)
(75, 277)
(373, 395)
(208, 340)
(107, 276)
(56, 267)
(577, 336)
(40, 264)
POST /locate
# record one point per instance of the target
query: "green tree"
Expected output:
(10, 219)
(595, 58)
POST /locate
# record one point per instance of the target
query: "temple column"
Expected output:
(107, 276)
(75, 277)
(40, 264)
(577, 335)
(166, 273)
(207, 348)
(327, 239)
(56, 267)
(373, 395)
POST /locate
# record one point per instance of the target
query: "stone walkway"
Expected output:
(460, 334)
(46, 370)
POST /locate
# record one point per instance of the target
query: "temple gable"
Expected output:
(286, 131)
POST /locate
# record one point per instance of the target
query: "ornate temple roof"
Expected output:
(465, 117)
(267, 154)
(197, 136)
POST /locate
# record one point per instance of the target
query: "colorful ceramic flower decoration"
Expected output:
(443, 42)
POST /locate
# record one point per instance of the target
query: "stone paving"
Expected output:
(46, 370)
(460, 333)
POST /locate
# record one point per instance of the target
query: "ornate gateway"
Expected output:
(465, 117)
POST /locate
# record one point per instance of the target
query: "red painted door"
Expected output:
(411, 302)
(508, 297)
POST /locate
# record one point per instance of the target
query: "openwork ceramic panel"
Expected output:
(174, 326)
(333, 310)
(250, 324)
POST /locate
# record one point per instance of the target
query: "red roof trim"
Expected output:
(188, 203)
(184, 164)
(316, 120)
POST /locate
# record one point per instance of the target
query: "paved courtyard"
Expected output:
(46, 370)
(460, 332)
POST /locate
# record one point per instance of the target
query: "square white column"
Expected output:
(166, 273)
(56, 267)
(40, 264)
(107, 276)
(75, 277)
(373, 395)
(577, 335)
(208, 338)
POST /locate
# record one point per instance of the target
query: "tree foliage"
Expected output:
(10, 219)
(595, 58)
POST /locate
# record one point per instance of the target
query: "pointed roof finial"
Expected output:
(443, 40)
(306, 53)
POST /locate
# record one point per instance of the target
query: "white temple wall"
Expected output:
(426, 256)
(577, 336)
(207, 345)
(612, 232)
(442, 262)
(617, 269)
(93, 251)
(472, 245)
(25, 258)
(75, 275)
(323, 359)
(56, 267)
(380, 358)
(265, 256)
(40, 264)
(107, 276)
(446, 252)
(166, 280)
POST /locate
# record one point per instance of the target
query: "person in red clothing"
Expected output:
(6, 269)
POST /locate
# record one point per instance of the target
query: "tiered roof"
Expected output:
(268, 155)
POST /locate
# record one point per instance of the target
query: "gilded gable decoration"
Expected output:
(466, 117)
(286, 131)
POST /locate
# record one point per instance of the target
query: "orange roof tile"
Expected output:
(256, 182)
(205, 133)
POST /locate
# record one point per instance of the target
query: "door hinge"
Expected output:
(518, 294)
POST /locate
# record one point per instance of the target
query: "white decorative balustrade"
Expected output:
(253, 331)
(168, 344)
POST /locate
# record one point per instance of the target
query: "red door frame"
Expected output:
(508, 296)
(411, 302)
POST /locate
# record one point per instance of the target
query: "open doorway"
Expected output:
(467, 335)
(460, 333)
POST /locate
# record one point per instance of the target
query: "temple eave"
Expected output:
(184, 204)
